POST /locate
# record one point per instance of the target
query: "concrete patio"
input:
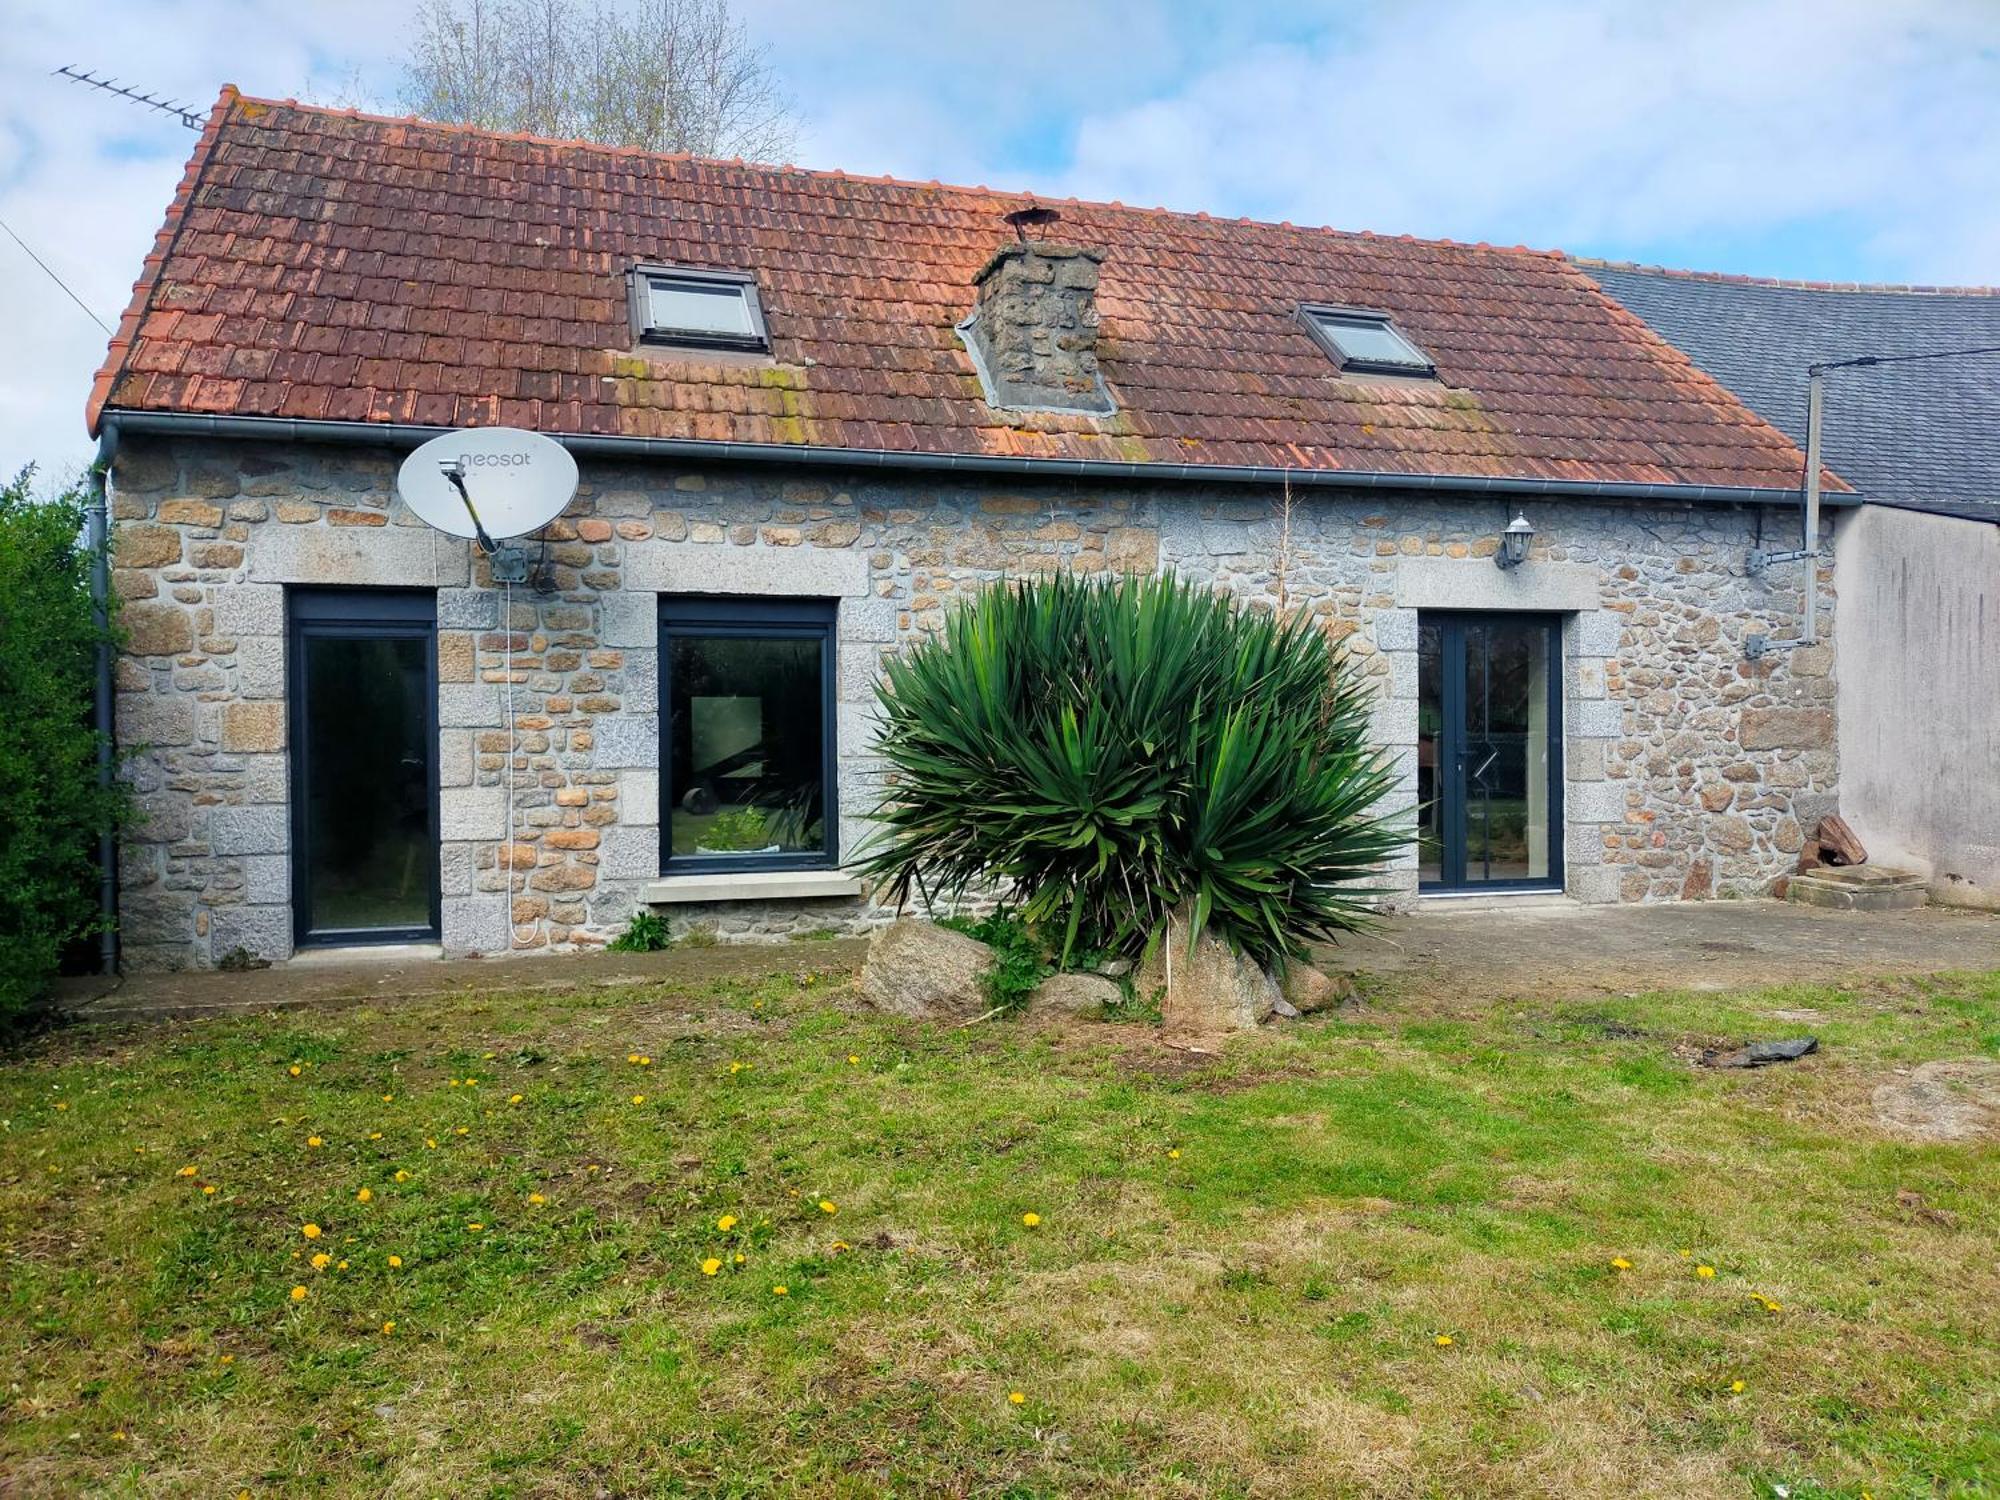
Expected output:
(1473, 952)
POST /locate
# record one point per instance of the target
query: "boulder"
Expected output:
(916, 968)
(1075, 995)
(1212, 991)
(1308, 989)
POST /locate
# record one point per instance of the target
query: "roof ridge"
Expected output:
(884, 179)
(1782, 283)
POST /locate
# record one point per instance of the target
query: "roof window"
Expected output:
(1365, 343)
(697, 309)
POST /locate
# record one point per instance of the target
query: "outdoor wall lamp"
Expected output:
(1514, 542)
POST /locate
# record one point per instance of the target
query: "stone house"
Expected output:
(1912, 421)
(811, 411)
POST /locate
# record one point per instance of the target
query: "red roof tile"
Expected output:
(321, 264)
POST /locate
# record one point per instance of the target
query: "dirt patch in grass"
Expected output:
(1957, 1100)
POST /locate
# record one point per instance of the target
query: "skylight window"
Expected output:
(1365, 343)
(697, 309)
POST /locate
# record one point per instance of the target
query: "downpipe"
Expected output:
(97, 534)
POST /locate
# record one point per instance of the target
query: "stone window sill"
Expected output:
(751, 885)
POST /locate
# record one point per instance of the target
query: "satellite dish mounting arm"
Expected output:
(455, 472)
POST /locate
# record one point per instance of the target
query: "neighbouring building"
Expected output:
(1916, 430)
(811, 411)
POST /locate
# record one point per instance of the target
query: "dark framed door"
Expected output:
(1489, 752)
(362, 670)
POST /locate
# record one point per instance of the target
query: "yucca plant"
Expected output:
(1122, 750)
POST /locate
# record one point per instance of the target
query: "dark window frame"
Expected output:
(750, 617)
(1316, 315)
(1450, 783)
(639, 297)
(365, 614)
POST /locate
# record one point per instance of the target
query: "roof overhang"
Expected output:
(806, 455)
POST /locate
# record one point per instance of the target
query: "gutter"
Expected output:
(97, 532)
(686, 450)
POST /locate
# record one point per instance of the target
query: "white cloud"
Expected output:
(1828, 137)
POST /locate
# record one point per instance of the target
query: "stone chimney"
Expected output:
(1033, 330)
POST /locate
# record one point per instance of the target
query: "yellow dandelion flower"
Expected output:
(459, 1131)
(310, 1231)
(828, 1206)
(710, 1266)
(390, 1326)
(631, 1057)
(314, 1141)
(645, 1061)
(1444, 1341)
(739, 1259)
(298, 1294)
(726, 1223)
(1687, 1255)
(294, 1070)
(1019, 1398)
(838, 1246)
(402, 1175)
(62, 1104)
(1736, 1387)
(430, 1142)
(186, 1172)
(387, 1097)
(638, 1098)
(736, 1067)
(536, 1198)
(472, 1083)
(321, 1261)
(781, 1291)
(475, 1227)
(228, 1359)
(514, 1098)
(364, 1195)
(1173, 1153)
(454, 1083)
(1706, 1273)
(1031, 1220)
(853, 1058)
(1771, 1307)
(395, 1262)
(340, 1265)
(374, 1135)
(208, 1190)
(1620, 1263)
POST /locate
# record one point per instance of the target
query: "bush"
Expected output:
(1019, 964)
(1119, 750)
(51, 807)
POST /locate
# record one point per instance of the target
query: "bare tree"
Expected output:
(663, 75)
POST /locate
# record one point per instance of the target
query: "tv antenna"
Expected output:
(172, 107)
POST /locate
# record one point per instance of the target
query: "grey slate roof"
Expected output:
(1924, 435)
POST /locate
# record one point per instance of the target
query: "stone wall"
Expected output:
(1689, 769)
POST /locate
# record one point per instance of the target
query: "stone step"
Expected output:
(1859, 888)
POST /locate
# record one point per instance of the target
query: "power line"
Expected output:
(55, 278)
(1863, 361)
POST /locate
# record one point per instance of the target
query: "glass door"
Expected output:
(363, 676)
(1489, 724)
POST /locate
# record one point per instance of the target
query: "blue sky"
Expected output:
(1823, 139)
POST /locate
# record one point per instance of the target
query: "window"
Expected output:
(747, 741)
(1365, 343)
(697, 309)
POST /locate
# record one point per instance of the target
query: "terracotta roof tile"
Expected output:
(333, 265)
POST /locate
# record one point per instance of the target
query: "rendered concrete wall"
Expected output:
(1688, 770)
(1920, 696)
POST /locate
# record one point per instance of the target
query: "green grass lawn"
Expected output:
(1371, 1255)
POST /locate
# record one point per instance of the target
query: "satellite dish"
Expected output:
(488, 482)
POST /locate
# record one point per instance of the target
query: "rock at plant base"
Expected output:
(1308, 989)
(916, 968)
(1074, 995)
(1214, 990)
(1285, 1010)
